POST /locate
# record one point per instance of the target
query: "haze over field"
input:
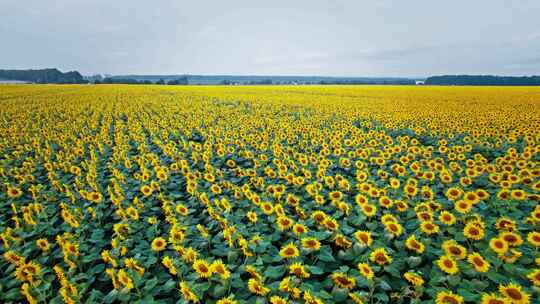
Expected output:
(342, 38)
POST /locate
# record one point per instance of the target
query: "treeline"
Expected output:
(483, 80)
(111, 80)
(42, 76)
(321, 82)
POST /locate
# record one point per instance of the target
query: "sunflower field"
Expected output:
(269, 194)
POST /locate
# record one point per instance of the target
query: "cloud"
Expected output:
(383, 38)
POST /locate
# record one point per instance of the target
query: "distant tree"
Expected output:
(178, 81)
(160, 81)
(483, 80)
(43, 76)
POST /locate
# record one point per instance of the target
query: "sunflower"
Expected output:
(311, 244)
(342, 241)
(534, 277)
(133, 213)
(401, 206)
(463, 206)
(318, 216)
(453, 249)
(447, 264)
(13, 258)
(448, 297)
(479, 263)
(203, 269)
(289, 251)
(159, 244)
(363, 237)
(124, 278)
(394, 229)
(386, 202)
(357, 299)
(299, 229)
(512, 257)
(498, 245)
(187, 293)
(514, 293)
(25, 272)
(471, 197)
(506, 224)
(512, 238)
(428, 227)
(447, 218)
(425, 215)
(252, 216)
(284, 223)
(256, 287)
(413, 244)
(330, 224)
(414, 279)
(518, 194)
(343, 281)
(220, 268)
(267, 208)
(361, 199)
(365, 270)
(299, 270)
(13, 192)
(181, 209)
(491, 298)
(369, 210)
(43, 244)
(380, 256)
(534, 238)
(227, 300)
(146, 190)
(473, 231)
(278, 300)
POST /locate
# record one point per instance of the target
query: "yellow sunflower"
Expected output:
(289, 251)
(448, 297)
(514, 293)
(365, 270)
(479, 263)
(311, 244)
(159, 244)
(343, 281)
(13, 192)
(447, 264)
(203, 269)
(363, 237)
(380, 256)
(256, 287)
(498, 245)
(299, 270)
(473, 231)
(491, 298)
(447, 218)
(414, 279)
(43, 244)
(453, 249)
(534, 238)
(428, 227)
(413, 244)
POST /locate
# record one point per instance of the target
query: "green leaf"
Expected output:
(467, 295)
(325, 254)
(274, 272)
(150, 284)
(315, 270)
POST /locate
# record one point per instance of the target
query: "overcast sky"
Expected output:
(314, 37)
